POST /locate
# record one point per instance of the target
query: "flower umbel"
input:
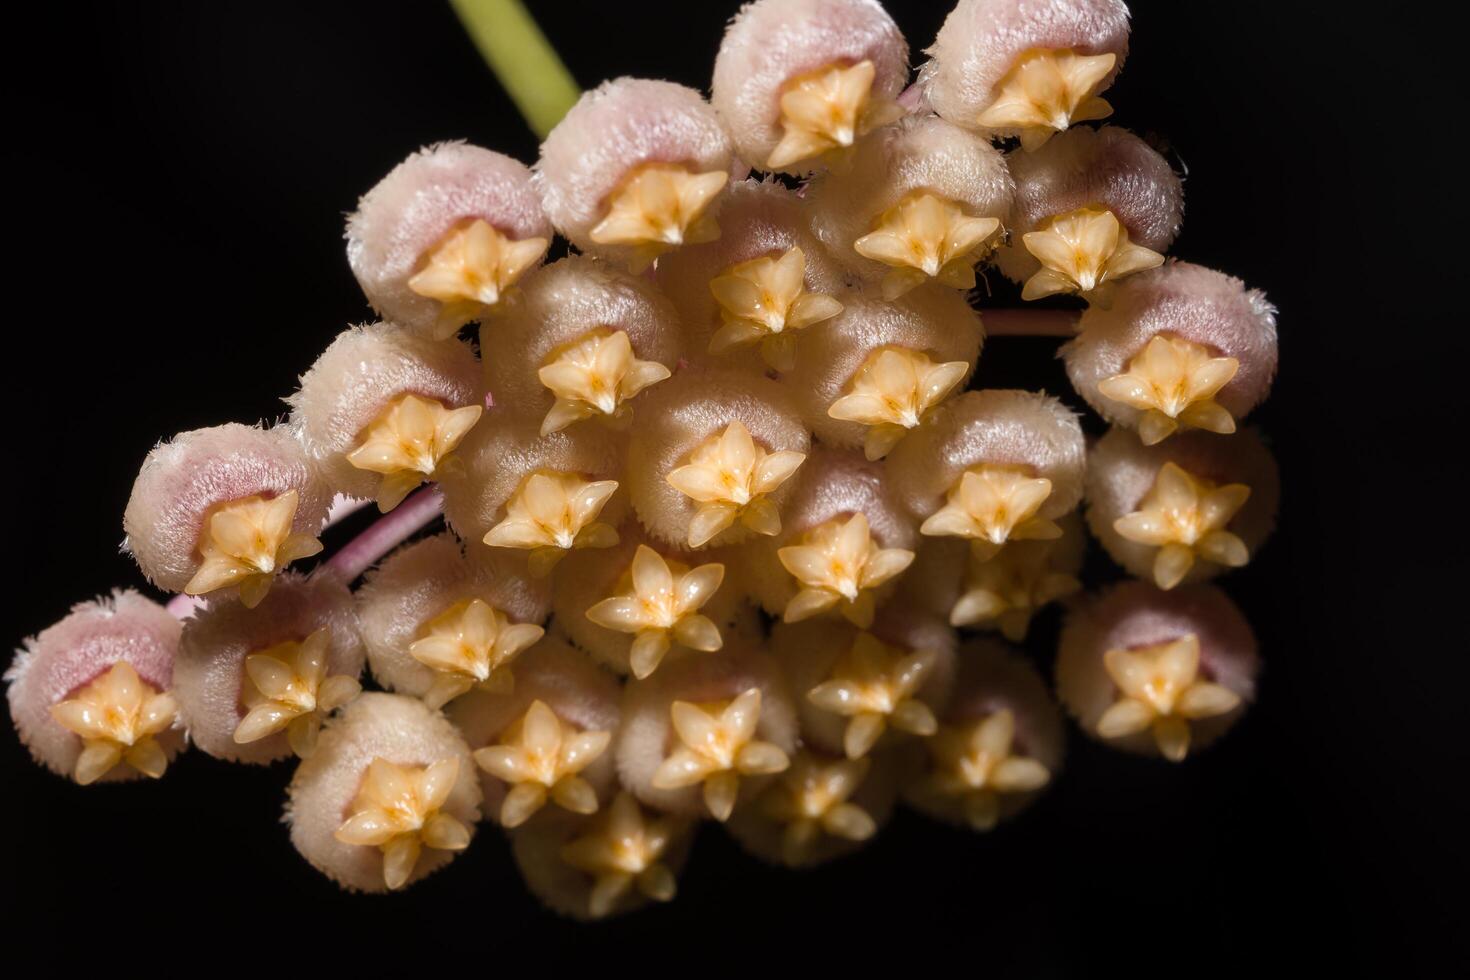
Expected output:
(838, 564)
(540, 756)
(825, 110)
(662, 604)
(718, 747)
(408, 443)
(621, 851)
(399, 811)
(1185, 516)
(1046, 91)
(246, 542)
(925, 237)
(1160, 689)
(992, 504)
(1082, 251)
(729, 476)
(977, 762)
(553, 513)
(471, 270)
(894, 390)
(288, 688)
(1173, 382)
(761, 300)
(470, 644)
(873, 685)
(117, 716)
(660, 206)
(595, 374)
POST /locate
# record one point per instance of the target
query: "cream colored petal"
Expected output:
(1125, 717)
(698, 633)
(647, 652)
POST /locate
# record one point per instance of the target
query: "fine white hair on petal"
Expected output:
(71, 653)
(419, 582)
(1086, 167)
(559, 304)
(1183, 300)
(932, 320)
(981, 39)
(391, 727)
(210, 672)
(770, 42)
(577, 691)
(357, 376)
(759, 219)
(183, 478)
(1135, 614)
(998, 426)
(1121, 471)
(620, 125)
(421, 200)
(919, 153)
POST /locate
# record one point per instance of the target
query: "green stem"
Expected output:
(522, 59)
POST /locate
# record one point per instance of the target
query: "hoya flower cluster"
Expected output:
(727, 537)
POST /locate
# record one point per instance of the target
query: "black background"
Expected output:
(177, 177)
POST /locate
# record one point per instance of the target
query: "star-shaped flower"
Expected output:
(470, 644)
(873, 685)
(811, 798)
(287, 687)
(409, 442)
(540, 755)
(1008, 589)
(925, 237)
(1083, 251)
(718, 747)
(1173, 381)
(553, 513)
(991, 505)
(662, 601)
(660, 206)
(1160, 689)
(762, 300)
(595, 374)
(1046, 91)
(825, 110)
(729, 476)
(1184, 516)
(976, 762)
(471, 270)
(622, 850)
(399, 810)
(893, 391)
(838, 564)
(117, 716)
(246, 542)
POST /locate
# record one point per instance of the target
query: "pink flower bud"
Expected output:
(214, 689)
(436, 191)
(64, 658)
(771, 45)
(1195, 641)
(613, 130)
(182, 483)
(330, 789)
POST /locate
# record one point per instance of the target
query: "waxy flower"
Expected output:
(662, 606)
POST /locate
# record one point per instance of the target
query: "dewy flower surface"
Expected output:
(729, 475)
(470, 271)
(806, 365)
(117, 717)
(468, 645)
(246, 542)
(662, 607)
(288, 687)
(409, 442)
(1185, 516)
(1160, 690)
(760, 300)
